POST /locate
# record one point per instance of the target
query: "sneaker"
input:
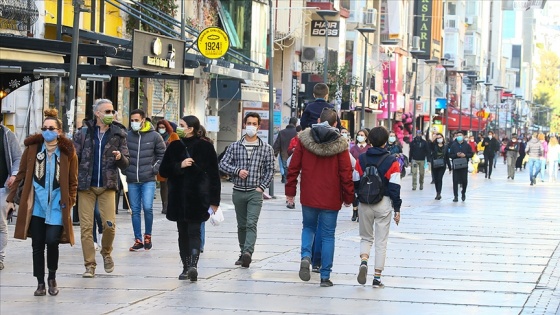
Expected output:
(137, 245)
(316, 269)
(147, 242)
(455, 199)
(463, 197)
(304, 273)
(326, 283)
(239, 262)
(245, 260)
(89, 273)
(291, 206)
(108, 264)
(1, 265)
(377, 283)
(362, 273)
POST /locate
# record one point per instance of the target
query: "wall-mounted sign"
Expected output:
(318, 28)
(423, 26)
(294, 95)
(213, 43)
(157, 53)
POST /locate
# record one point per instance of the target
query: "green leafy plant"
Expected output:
(164, 6)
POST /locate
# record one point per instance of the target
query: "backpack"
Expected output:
(372, 189)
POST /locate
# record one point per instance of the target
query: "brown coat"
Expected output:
(68, 186)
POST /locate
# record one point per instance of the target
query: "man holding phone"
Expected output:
(460, 149)
(102, 148)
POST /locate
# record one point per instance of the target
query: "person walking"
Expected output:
(101, 148)
(146, 149)
(323, 160)
(250, 163)
(460, 152)
(358, 149)
(553, 157)
(165, 129)
(313, 109)
(49, 175)
(419, 151)
(10, 157)
(440, 159)
(491, 145)
(191, 168)
(535, 152)
(376, 218)
(281, 146)
(544, 156)
(520, 164)
(512, 154)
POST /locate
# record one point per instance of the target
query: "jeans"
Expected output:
(316, 249)
(97, 223)
(543, 167)
(248, 206)
(534, 167)
(552, 170)
(142, 198)
(44, 234)
(325, 220)
(282, 166)
(3, 223)
(418, 166)
(86, 205)
(202, 235)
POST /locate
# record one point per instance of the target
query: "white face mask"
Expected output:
(135, 125)
(251, 131)
(361, 139)
(489, 136)
(344, 135)
(439, 140)
(161, 130)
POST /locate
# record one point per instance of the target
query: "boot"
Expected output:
(164, 208)
(283, 179)
(192, 272)
(355, 214)
(186, 264)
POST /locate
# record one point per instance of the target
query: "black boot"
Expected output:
(283, 179)
(186, 265)
(355, 214)
(164, 208)
(192, 271)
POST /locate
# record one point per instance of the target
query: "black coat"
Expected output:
(192, 189)
(490, 146)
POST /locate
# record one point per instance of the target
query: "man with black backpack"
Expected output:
(380, 195)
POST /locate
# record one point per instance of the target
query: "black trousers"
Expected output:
(437, 174)
(356, 202)
(460, 177)
(189, 237)
(43, 234)
(489, 166)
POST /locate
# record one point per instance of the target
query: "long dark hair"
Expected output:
(192, 121)
(439, 134)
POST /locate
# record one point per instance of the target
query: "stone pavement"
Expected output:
(496, 253)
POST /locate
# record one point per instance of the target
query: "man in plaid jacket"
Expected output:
(250, 163)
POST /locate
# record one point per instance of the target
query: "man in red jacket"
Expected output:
(321, 156)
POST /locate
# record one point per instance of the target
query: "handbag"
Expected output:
(460, 163)
(438, 163)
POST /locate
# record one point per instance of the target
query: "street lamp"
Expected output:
(389, 53)
(498, 89)
(447, 66)
(323, 14)
(474, 84)
(415, 53)
(364, 31)
(431, 62)
(461, 72)
(488, 85)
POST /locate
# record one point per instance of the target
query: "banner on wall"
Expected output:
(389, 85)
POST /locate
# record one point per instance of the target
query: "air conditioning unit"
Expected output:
(369, 17)
(469, 20)
(311, 54)
(449, 57)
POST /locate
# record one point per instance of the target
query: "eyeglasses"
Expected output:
(51, 128)
(110, 111)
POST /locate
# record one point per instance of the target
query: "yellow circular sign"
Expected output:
(213, 42)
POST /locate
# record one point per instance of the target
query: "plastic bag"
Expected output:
(216, 217)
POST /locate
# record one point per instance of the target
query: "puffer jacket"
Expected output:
(146, 149)
(534, 148)
(321, 156)
(83, 142)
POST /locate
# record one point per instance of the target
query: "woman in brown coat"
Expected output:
(49, 172)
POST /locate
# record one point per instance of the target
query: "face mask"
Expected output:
(489, 136)
(392, 139)
(181, 132)
(361, 139)
(251, 131)
(107, 119)
(50, 135)
(513, 140)
(135, 125)
(161, 131)
(459, 138)
(439, 140)
(344, 135)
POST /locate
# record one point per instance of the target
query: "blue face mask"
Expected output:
(50, 135)
(459, 138)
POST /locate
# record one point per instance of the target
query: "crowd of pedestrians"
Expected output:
(54, 173)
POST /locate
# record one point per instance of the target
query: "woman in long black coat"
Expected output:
(191, 168)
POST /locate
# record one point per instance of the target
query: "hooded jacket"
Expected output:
(321, 156)
(146, 148)
(389, 171)
(534, 148)
(68, 180)
(419, 149)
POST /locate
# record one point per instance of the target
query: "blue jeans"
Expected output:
(202, 235)
(534, 164)
(141, 196)
(325, 220)
(543, 167)
(282, 165)
(316, 249)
